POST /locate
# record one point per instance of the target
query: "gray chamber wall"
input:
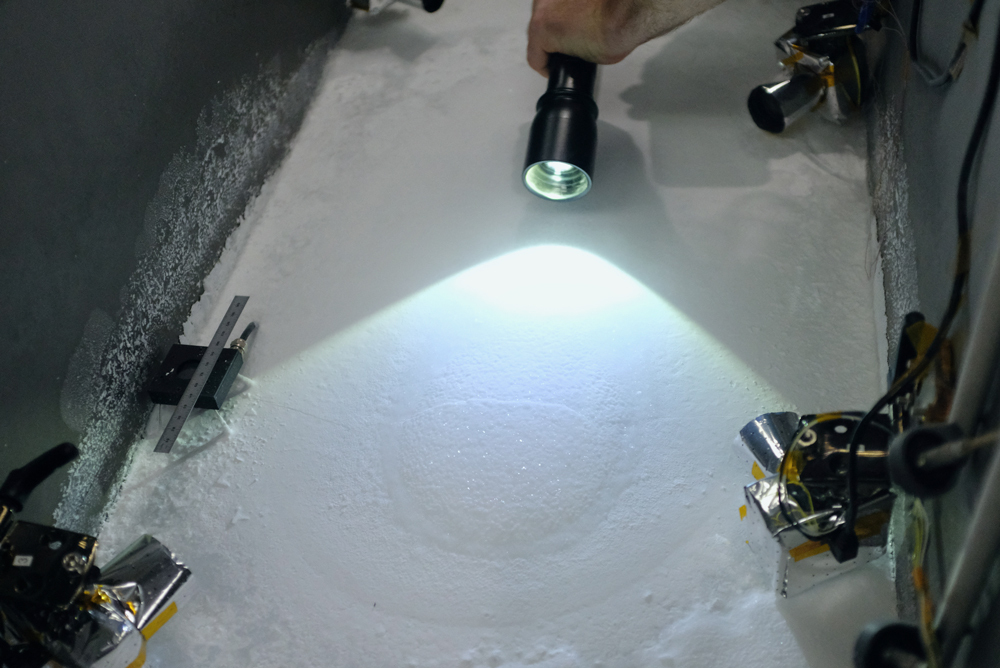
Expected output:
(918, 139)
(132, 137)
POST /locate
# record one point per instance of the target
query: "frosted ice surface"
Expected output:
(469, 471)
(492, 475)
(458, 452)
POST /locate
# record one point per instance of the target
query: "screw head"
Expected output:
(74, 562)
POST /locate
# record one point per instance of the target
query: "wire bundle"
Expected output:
(970, 30)
(920, 527)
(920, 366)
(957, 288)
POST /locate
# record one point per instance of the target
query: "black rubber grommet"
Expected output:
(906, 449)
(882, 644)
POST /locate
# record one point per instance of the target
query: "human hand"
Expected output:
(602, 31)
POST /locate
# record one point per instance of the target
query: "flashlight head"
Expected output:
(556, 180)
(562, 144)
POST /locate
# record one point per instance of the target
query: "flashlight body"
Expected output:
(565, 125)
(572, 76)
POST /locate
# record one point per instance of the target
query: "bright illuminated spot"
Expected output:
(559, 167)
(556, 180)
(550, 280)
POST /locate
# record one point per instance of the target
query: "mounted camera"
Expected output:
(56, 607)
(825, 66)
(825, 483)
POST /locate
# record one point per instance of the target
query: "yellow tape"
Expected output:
(757, 473)
(865, 527)
(870, 525)
(808, 549)
(792, 59)
(150, 629)
(921, 334)
(96, 597)
(743, 513)
(140, 660)
(792, 465)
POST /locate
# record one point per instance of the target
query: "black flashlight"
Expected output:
(563, 139)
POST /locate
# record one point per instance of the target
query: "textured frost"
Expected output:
(201, 196)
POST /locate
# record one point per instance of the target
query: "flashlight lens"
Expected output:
(556, 180)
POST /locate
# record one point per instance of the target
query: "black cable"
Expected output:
(970, 30)
(957, 289)
(248, 331)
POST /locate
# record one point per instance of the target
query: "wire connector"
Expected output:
(240, 344)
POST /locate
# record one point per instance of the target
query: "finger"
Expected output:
(538, 58)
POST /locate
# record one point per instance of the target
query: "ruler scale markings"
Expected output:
(197, 382)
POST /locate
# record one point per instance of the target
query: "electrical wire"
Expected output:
(248, 331)
(954, 301)
(921, 541)
(948, 453)
(970, 30)
(957, 289)
(787, 480)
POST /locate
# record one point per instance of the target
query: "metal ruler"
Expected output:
(201, 374)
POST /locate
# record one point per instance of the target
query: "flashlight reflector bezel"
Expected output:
(556, 180)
